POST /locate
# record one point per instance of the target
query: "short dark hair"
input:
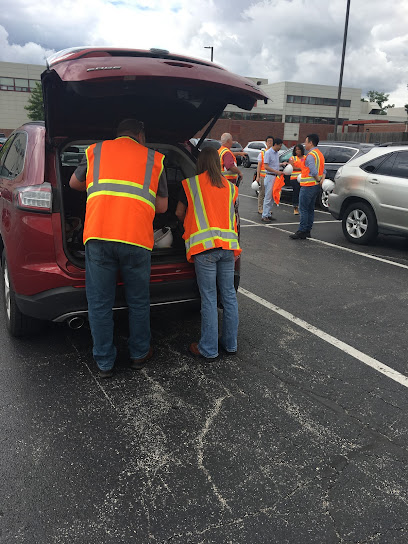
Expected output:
(298, 146)
(268, 137)
(314, 138)
(130, 126)
(277, 141)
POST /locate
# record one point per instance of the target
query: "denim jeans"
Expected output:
(103, 260)
(307, 199)
(268, 199)
(295, 193)
(216, 267)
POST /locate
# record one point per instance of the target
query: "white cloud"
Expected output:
(277, 39)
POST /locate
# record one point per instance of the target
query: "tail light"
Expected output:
(37, 198)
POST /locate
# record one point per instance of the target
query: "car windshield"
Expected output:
(72, 155)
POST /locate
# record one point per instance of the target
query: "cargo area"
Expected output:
(178, 165)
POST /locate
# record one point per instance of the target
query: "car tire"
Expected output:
(246, 163)
(17, 323)
(359, 223)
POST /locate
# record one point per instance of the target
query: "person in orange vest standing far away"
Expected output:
(311, 178)
(126, 186)
(229, 167)
(207, 207)
(297, 161)
(261, 172)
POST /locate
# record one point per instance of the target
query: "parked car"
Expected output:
(42, 218)
(371, 194)
(2, 141)
(253, 149)
(236, 148)
(336, 154)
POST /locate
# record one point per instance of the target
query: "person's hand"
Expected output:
(257, 179)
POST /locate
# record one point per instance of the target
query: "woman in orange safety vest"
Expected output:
(298, 162)
(207, 206)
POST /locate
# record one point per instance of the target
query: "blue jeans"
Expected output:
(268, 200)
(216, 267)
(103, 260)
(307, 199)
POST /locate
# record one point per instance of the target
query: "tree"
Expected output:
(406, 108)
(380, 98)
(35, 106)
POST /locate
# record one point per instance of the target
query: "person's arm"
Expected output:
(181, 211)
(76, 184)
(271, 170)
(311, 164)
(162, 197)
(229, 164)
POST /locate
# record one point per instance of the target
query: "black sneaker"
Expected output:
(103, 374)
(266, 219)
(308, 234)
(298, 235)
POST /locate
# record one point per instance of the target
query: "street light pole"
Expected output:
(212, 51)
(336, 122)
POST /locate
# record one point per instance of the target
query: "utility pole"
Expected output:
(212, 51)
(336, 122)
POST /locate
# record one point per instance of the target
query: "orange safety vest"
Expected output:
(121, 182)
(263, 172)
(298, 164)
(233, 178)
(306, 179)
(210, 218)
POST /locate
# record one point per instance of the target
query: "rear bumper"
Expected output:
(65, 302)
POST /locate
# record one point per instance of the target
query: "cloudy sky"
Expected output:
(282, 40)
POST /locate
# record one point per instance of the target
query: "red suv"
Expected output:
(87, 91)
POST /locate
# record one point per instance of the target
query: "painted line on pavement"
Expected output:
(346, 348)
(348, 250)
(282, 224)
(283, 204)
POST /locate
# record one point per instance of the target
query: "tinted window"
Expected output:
(385, 168)
(341, 154)
(14, 161)
(400, 168)
(5, 148)
(257, 146)
(372, 165)
(286, 156)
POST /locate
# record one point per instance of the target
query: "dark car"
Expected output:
(2, 141)
(335, 155)
(87, 91)
(236, 148)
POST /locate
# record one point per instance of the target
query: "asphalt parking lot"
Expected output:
(300, 438)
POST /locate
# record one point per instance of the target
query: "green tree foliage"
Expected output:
(406, 108)
(35, 106)
(380, 98)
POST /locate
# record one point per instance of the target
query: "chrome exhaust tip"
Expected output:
(75, 322)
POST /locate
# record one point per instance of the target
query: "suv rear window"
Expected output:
(337, 154)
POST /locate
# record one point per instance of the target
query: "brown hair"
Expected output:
(209, 161)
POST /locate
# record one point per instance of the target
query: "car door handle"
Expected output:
(374, 181)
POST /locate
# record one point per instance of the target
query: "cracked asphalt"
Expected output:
(293, 440)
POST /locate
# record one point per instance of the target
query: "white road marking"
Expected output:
(283, 204)
(359, 355)
(348, 250)
(282, 224)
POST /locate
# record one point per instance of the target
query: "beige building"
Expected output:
(16, 82)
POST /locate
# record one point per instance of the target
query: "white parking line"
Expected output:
(348, 250)
(346, 348)
(282, 224)
(283, 204)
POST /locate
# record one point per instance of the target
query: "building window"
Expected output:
(17, 84)
(317, 100)
(311, 120)
(237, 115)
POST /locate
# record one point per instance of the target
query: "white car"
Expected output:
(253, 149)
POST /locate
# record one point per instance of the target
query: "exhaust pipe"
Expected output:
(75, 322)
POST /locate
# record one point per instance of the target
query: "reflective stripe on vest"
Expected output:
(298, 164)
(306, 179)
(230, 176)
(206, 235)
(262, 172)
(123, 188)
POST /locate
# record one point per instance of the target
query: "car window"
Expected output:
(286, 156)
(386, 167)
(400, 168)
(14, 161)
(5, 148)
(257, 146)
(337, 154)
(372, 166)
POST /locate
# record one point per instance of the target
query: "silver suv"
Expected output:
(371, 194)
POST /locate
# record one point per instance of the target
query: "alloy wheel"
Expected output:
(357, 223)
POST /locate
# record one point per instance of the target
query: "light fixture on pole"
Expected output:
(336, 121)
(212, 51)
